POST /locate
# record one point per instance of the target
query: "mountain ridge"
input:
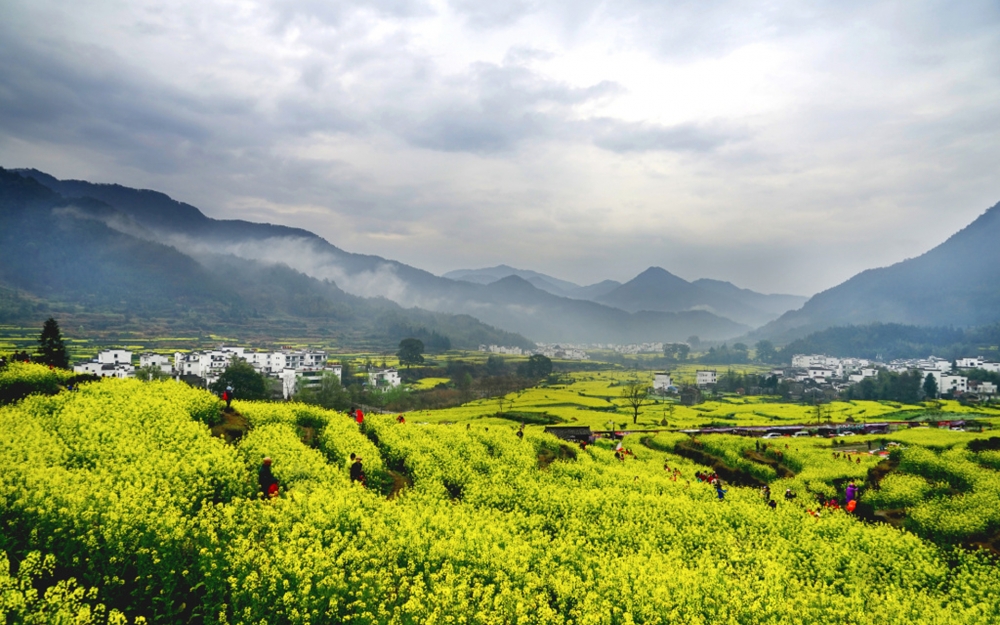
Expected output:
(536, 313)
(956, 283)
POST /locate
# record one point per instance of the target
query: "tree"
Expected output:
(537, 367)
(150, 373)
(51, 348)
(764, 351)
(930, 387)
(497, 388)
(245, 381)
(676, 351)
(495, 365)
(636, 395)
(411, 352)
(329, 393)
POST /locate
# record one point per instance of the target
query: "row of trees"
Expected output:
(739, 353)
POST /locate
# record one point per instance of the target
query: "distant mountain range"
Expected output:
(654, 290)
(85, 258)
(109, 247)
(116, 247)
(956, 284)
(540, 281)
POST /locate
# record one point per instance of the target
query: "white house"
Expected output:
(158, 361)
(389, 378)
(705, 378)
(953, 383)
(946, 382)
(983, 388)
(969, 363)
(305, 377)
(820, 374)
(109, 363)
(661, 382)
(114, 357)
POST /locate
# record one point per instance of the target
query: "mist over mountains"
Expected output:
(107, 246)
(182, 243)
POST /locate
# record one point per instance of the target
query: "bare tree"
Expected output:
(498, 387)
(636, 395)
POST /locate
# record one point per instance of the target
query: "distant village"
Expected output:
(838, 374)
(547, 350)
(295, 369)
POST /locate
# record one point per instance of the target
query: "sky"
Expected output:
(783, 146)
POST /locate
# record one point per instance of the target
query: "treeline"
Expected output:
(494, 379)
(889, 341)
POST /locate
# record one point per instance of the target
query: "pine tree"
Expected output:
(930, 387)
(51, 348)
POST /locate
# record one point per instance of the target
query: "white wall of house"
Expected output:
(389, 378)
(114, 356)
(158, 361)
(969, 363)
(705, 377)
(661, 382)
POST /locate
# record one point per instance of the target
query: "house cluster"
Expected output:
(294, 368)
(636, 348)
(501, 349)
(839, 373)
(563, 352)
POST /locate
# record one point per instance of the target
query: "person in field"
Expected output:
(357, 470)
(359, 416)
(227, 396)
(852, 492)
(268, 483)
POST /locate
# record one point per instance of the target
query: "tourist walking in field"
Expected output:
(268, 483)
(719, 490)
(227, 396)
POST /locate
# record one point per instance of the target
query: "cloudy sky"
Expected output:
(783, 146)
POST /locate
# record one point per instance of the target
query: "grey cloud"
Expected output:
(484, 15)
(625, 137)
(492, 109)
(334, 13)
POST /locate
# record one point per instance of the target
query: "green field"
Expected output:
(122, 501)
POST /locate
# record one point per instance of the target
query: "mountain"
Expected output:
(77, 256)
(956, 284)
(374, 283)
(657, 289)
(492, 274)
(521, 307)
(541, 281)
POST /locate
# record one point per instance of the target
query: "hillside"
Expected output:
(956, 284)
(90, 262)
(657, 289)
(535, 313)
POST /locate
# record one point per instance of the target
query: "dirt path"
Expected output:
(232, 427)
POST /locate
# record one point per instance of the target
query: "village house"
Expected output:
(662, 383)
(155, 361)
(109, 363)
(387, 378)
(705, 378)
